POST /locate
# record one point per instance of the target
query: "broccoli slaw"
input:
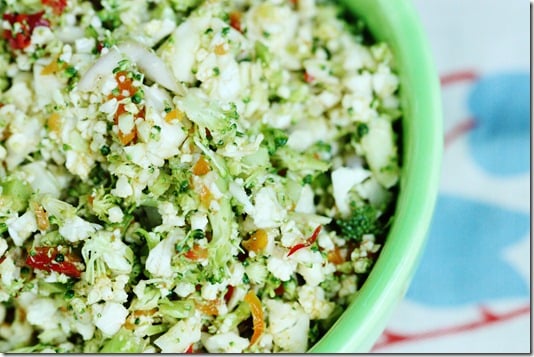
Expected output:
(189, 176)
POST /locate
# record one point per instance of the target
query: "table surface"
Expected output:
(471, 292)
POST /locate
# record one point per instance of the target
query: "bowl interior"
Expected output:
(396, 22)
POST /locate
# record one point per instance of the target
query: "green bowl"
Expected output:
(396, 22)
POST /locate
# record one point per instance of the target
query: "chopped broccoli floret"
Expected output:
(363, 219)
(101, 202)
(274, 139)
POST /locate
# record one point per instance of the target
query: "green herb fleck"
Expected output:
(69, 294)
(138, 96)
(246, 279)
(307, 179)
(362, 129)
(71, 71)
(105, 150)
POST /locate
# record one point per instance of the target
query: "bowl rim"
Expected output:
(365, 318)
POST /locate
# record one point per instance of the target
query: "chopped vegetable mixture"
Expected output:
(187, 175)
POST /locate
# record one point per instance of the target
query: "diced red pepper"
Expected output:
(32, 20)
(46, 258)
(308, 78)
(279, 291)
(307, 243)
(99, 46)
(235, 20)
(208, 134)
(27, 23)
(205, 196)
(295, 248)
(57, 5)
(229, 293)
(189, 349)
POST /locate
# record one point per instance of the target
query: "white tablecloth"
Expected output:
(471, 292)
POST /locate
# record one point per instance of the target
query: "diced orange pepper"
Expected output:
(120, 110)
(149, 312)
(209, 307)
(205, 196)
(174, 114)
(126, 139)
(201, 167)
(124, 84)
(334, 256)
(196, 253)
(129, 325)
(220, 50)
(52, 67)
(54, 123)
(258, 324)
(257, 241)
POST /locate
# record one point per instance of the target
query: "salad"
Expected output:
(187, 175)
